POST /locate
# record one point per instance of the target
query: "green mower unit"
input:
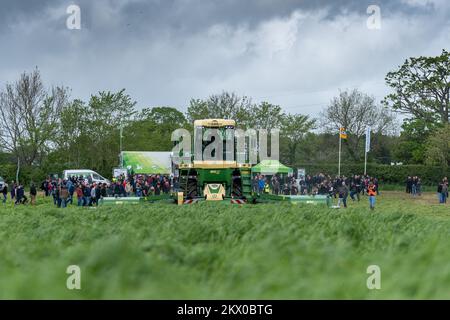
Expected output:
(112, 201)
(296, 199)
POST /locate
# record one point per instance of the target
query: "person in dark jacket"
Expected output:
(409, 183)
(13, 191)
(439, 192)
(44, 187)
(98, 194)
(5, 192)
(58, 195)
(343, 194)
(122, 190)
(158, 189)
(20, 195)
(444, 191)
(86, 195)
(71, 189)
(104, 190)
(55, 194)
(354, 191)
(33, 194)
(117, 192)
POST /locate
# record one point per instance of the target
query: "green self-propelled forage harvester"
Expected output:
(215, 180)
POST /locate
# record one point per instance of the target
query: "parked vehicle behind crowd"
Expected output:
(89, 175)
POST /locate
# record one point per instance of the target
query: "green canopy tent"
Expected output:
(271, 167)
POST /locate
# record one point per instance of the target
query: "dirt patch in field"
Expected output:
(425, 198)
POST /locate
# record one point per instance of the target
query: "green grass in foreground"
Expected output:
(219, 251)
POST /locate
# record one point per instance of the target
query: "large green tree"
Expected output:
(411, 145)
(294, 128)
(151, 130)
(438, 147)
(265, 116)
(107, 113)
(421, 88)
(89, 133)
(72, 137)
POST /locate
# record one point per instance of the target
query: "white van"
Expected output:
(89, 175)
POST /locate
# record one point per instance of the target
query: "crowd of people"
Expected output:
(414, 186)
(89, 193)
(340, 187)
(17, 193)
(85, 192)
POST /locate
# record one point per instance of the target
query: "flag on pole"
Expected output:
(367, 139)
(342, 133)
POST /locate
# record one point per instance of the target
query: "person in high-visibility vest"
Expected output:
(371, 192)
(266, 188)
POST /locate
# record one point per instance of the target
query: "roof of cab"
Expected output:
(214, 123)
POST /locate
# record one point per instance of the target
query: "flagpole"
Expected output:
(366, 149)
(365, 163)
(339, 166)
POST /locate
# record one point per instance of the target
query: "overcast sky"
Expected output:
(294, 53)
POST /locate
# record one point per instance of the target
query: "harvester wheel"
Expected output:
(191, 191)
(237, 187)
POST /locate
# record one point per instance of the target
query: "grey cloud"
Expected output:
(295, 53)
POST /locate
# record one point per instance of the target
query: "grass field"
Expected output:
(209, 251)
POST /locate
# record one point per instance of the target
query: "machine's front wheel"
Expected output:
(188, 184)
(236, 185)
(191, 191)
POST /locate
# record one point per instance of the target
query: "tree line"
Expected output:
(44, 131)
